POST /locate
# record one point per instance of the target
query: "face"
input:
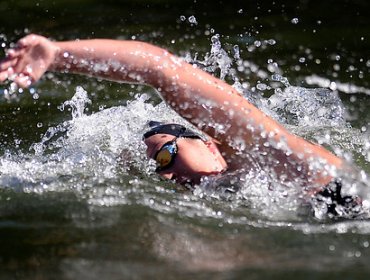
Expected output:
(194, 159)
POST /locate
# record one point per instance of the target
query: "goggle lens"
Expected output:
(166, 154)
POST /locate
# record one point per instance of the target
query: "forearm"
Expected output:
(122, 61)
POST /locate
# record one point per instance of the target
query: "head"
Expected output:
(181, 154)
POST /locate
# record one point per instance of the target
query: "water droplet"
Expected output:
(236, 52)
(271, 42)
(279, 78)
(78, 102)
(193, 20)
(261, 86)
(294, 20)
(257, 43)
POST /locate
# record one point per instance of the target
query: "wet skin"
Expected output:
(195, 158)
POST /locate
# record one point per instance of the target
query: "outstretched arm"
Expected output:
(207, 102)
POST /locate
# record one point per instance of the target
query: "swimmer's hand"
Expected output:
(28, 61)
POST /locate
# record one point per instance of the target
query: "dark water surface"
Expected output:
(69, 209)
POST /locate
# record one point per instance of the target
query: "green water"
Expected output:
(63, 220)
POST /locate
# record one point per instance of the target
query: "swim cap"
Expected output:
(172, 129)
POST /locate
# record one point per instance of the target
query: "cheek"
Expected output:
(195, 161)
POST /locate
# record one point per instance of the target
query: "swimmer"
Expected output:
(235, 134)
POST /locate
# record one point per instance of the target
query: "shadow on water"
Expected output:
(71, 210)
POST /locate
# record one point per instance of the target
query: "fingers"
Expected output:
(6, 74)
(18, 51)
(14, 68)
(29, 40)
(10, 68)
(23, 81)
(7, 63)
(15, 52)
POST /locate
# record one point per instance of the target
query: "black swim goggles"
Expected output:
(165, 156)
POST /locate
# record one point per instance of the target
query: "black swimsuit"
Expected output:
(337, 204)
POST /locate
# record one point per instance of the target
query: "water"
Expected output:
(78, 199)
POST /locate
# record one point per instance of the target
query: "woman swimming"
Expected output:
(238, 135)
